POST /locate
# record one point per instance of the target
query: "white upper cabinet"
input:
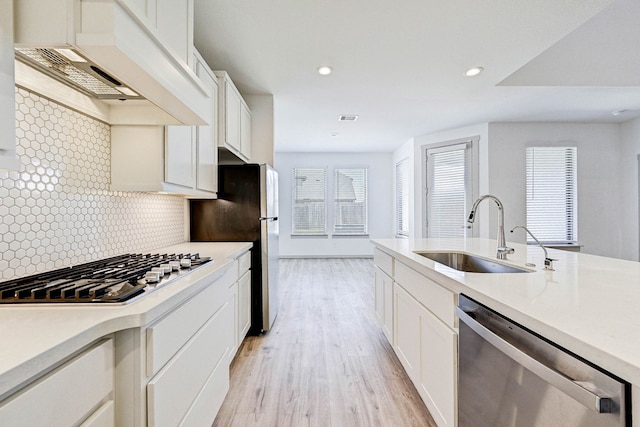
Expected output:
(174, 159)
(235, 119)
(145, 44)
(8, 158)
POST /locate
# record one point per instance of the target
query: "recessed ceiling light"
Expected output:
(618, 112)
(474, 71)
(347, 117)
(324, 70)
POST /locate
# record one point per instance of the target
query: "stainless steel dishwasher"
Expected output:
(509, 376)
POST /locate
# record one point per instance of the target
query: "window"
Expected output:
(350, 200)
(402, 198)
(449, 189)
(309, 214)
(552, 193)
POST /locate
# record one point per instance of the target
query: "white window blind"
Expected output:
(552, 193)
(449, 190)
(309, 214)
(350, 201)
(402, 198)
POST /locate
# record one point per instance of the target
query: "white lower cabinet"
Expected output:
(384, 302)
(423, 338)
(80, 392)
(240, 299)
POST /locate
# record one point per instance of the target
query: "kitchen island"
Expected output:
(135, 345)
(588, 305)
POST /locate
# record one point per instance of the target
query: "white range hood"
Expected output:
(123, 49)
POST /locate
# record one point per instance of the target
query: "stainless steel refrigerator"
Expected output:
(246, 211)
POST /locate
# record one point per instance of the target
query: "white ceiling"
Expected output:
(400, 65)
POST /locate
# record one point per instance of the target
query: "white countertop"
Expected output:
(36, 336)
(589, 304)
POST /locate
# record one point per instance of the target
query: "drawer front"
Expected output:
(384, 261)
(434, 297)
(102, 417)
(168, 335)
(66, 395)
(209, 401)
(176, 387)
(244, 263)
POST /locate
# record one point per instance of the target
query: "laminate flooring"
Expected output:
(325, 362)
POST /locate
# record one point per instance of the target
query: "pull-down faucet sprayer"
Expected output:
(502, 250)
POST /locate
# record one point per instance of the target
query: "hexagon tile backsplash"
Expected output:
(58, 210)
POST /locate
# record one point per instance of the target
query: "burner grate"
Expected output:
(111, 280)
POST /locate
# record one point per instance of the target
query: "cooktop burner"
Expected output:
(112, 280)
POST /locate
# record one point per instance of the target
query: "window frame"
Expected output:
(402, 190)
(571, 206)
(295, 204)
(337, 203)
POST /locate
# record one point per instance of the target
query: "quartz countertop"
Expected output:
(588, 305)
(36, 336)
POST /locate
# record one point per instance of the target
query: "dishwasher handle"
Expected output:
(563, 383)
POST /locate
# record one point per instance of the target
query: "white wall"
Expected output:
(599, 225)
(380, 192)
(629, 192)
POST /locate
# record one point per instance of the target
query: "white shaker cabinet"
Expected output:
(8, 159)
(88, 383)
(235, 119)
(240, 299)
(173, 159)
(418, 318)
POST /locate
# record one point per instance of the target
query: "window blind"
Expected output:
(350, 201)
(402, 198)
(552, 193)
(309, 214)
(449, 189)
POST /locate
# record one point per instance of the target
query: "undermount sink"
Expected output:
(470, 263)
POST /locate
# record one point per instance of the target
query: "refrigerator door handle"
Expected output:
(268, 218)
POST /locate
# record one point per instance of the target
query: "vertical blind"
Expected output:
(449, 190)
(551, 193)
(350, 201)
(309, 214)
(402, 198)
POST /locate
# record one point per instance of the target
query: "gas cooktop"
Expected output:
(113, 280)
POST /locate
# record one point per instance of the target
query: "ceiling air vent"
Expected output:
(347, 118)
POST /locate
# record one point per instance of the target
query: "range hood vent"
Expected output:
(72, 69)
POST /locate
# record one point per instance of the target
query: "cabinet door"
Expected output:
(179, 156)
(174, 24)
(244, 306)
(245, 131)
(438, 368)
(406, 332)
(232, 123)
(7, 89)
(232, 335)
(207, 137)
(384, 302)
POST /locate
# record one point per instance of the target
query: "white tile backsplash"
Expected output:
(58, 209)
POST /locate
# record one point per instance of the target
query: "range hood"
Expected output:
(71, 68)
(109, 51)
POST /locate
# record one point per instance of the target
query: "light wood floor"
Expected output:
(326, 362)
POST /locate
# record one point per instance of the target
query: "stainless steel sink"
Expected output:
(470, 263)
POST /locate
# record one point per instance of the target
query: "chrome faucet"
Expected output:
(502, 250)
(548, 262)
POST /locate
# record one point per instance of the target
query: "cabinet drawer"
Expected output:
(210, 399)
(176, 387)
(384, 261)
(244, 263)
(102, 417)
(434, 297)
(65, 396)
(168, 335)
